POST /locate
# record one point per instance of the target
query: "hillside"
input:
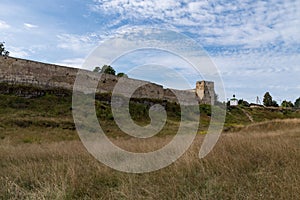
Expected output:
(52, 114)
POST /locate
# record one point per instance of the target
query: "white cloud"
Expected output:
(237, 22)
(4, 25)
(72, 62)
(18, 52)
(257, 63)
(253, 73)
(78, 43)
(27, 25)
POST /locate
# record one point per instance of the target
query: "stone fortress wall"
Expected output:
(21, 71)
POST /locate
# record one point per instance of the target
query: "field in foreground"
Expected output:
(262, 161)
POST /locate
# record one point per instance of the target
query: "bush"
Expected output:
(243, 103)
(107, 69)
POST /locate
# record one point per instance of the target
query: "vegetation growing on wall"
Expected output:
(107, 69)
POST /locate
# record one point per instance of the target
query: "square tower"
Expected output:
(205, 92)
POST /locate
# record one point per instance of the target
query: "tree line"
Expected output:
(268, 101)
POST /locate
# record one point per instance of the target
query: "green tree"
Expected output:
(297, 103)
(3, 51)
(287, 104)
(121, 74)
(274, 103)
(268, 101)
(107, 69)
(97, 69)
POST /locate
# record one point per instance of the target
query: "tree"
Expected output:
(287, 104)
(121, 74)
(3, 52)
(107, 69)
(97, 69)
(297, 103)
(268, 101)
(274, 103)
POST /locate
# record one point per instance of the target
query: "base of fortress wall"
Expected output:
(31, 91)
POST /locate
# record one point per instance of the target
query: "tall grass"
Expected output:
(259, 162)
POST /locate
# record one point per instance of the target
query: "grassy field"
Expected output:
(41, 157)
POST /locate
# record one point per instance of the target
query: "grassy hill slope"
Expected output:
(49, 117)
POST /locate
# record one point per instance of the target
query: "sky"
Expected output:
(255, 45)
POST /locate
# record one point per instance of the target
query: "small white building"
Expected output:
(234, 101)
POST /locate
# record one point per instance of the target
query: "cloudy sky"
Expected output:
(254, 44)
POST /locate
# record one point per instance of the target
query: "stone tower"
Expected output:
(205, 92)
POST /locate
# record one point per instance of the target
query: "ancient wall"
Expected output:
(26, 72)
(186, 97)
(13, 70)
(20, 71)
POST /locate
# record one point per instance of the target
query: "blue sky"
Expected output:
(254, 44)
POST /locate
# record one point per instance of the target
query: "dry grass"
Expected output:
(260, 162)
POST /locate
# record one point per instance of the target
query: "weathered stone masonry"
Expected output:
(26, 72)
